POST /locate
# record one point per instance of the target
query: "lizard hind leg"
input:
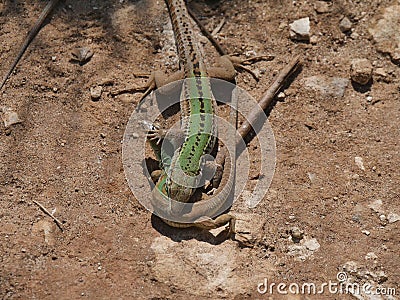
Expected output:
(230, 231)
(241, 64)
(227, 65)
(208, 223)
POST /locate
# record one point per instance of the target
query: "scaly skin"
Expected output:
(198, 123)
(197, 108)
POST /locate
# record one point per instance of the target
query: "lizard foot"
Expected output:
(240, 64)
(156, 134)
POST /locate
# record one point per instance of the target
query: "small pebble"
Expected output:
(378, 276)
(82, 55)
(376, 206)
(296, 234)
(300, 29)
(321, 7)
(250, 53)
(312, 245)
(314, 40)
(395, 55)
(10, 117)
(350, 267)
(356, 218)
(370, 256)
(361, 71)
(311, 176)
(366, 232)
(359, 162)
(282, 26)
(96, 91)
(281, 96)
(126, 98)
(354, 35)
(392, 217)
(380, 72)
(381, 75)
(345, 25)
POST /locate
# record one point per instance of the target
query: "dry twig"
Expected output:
(59, 224)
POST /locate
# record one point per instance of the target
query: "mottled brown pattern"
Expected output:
(188, 51)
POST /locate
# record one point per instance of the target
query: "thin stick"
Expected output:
(254, 114)
(133, 90)
(29, 38)
(268, 96)
(207, 34)
(218, 28)
(272, 90)
(59, 224)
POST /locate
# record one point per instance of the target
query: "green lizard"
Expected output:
(179, 178)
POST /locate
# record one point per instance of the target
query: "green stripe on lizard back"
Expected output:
(199, 126)
(197, 102)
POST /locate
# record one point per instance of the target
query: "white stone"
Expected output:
(345, 25)
(96, 91)
(371, 256)
(312, 244)
(392, 217)
(327, 86)
(10, 117)
(359, 162)
(376, 206)
(300, 29)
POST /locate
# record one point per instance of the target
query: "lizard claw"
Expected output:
(240, 64)
(156, 134)
(211, 192)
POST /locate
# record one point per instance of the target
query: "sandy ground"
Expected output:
(336, 182)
